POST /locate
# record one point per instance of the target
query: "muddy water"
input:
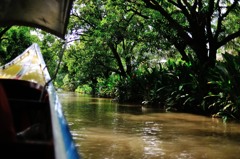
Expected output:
(105, 130)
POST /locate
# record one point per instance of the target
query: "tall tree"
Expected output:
(202, 25)
(113, 34)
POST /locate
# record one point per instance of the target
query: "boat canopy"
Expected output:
(49, 15)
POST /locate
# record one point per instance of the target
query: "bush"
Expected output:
(224, 92)
(84, 89)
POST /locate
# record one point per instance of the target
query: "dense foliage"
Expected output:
(14, 41)
(176, 55)
(122, 46)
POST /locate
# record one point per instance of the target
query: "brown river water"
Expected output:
(103, 129)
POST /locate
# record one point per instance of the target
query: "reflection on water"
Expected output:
(105, 130)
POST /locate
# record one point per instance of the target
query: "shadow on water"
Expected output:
(104, 129)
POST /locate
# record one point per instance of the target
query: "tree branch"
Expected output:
(221, 17)
(186, 3)
(155, 6)
(4, 31)
(228, 38)
(82, 19)
(229, 9)
(116, 55)
(209, 19)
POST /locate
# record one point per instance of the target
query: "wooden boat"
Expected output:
(32, 124)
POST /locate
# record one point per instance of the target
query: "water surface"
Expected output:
(103, 129)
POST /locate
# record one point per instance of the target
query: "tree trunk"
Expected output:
(117, 57)
(212, 53)
(129, 66)
(93, 85)
(181, 49)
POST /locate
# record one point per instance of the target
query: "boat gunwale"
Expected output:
(64, 146)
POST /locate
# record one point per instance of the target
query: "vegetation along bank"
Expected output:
(177, 55)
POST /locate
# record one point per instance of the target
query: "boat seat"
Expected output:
(26, 109)
(29, 113)
(19, 112)
(7, 131)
